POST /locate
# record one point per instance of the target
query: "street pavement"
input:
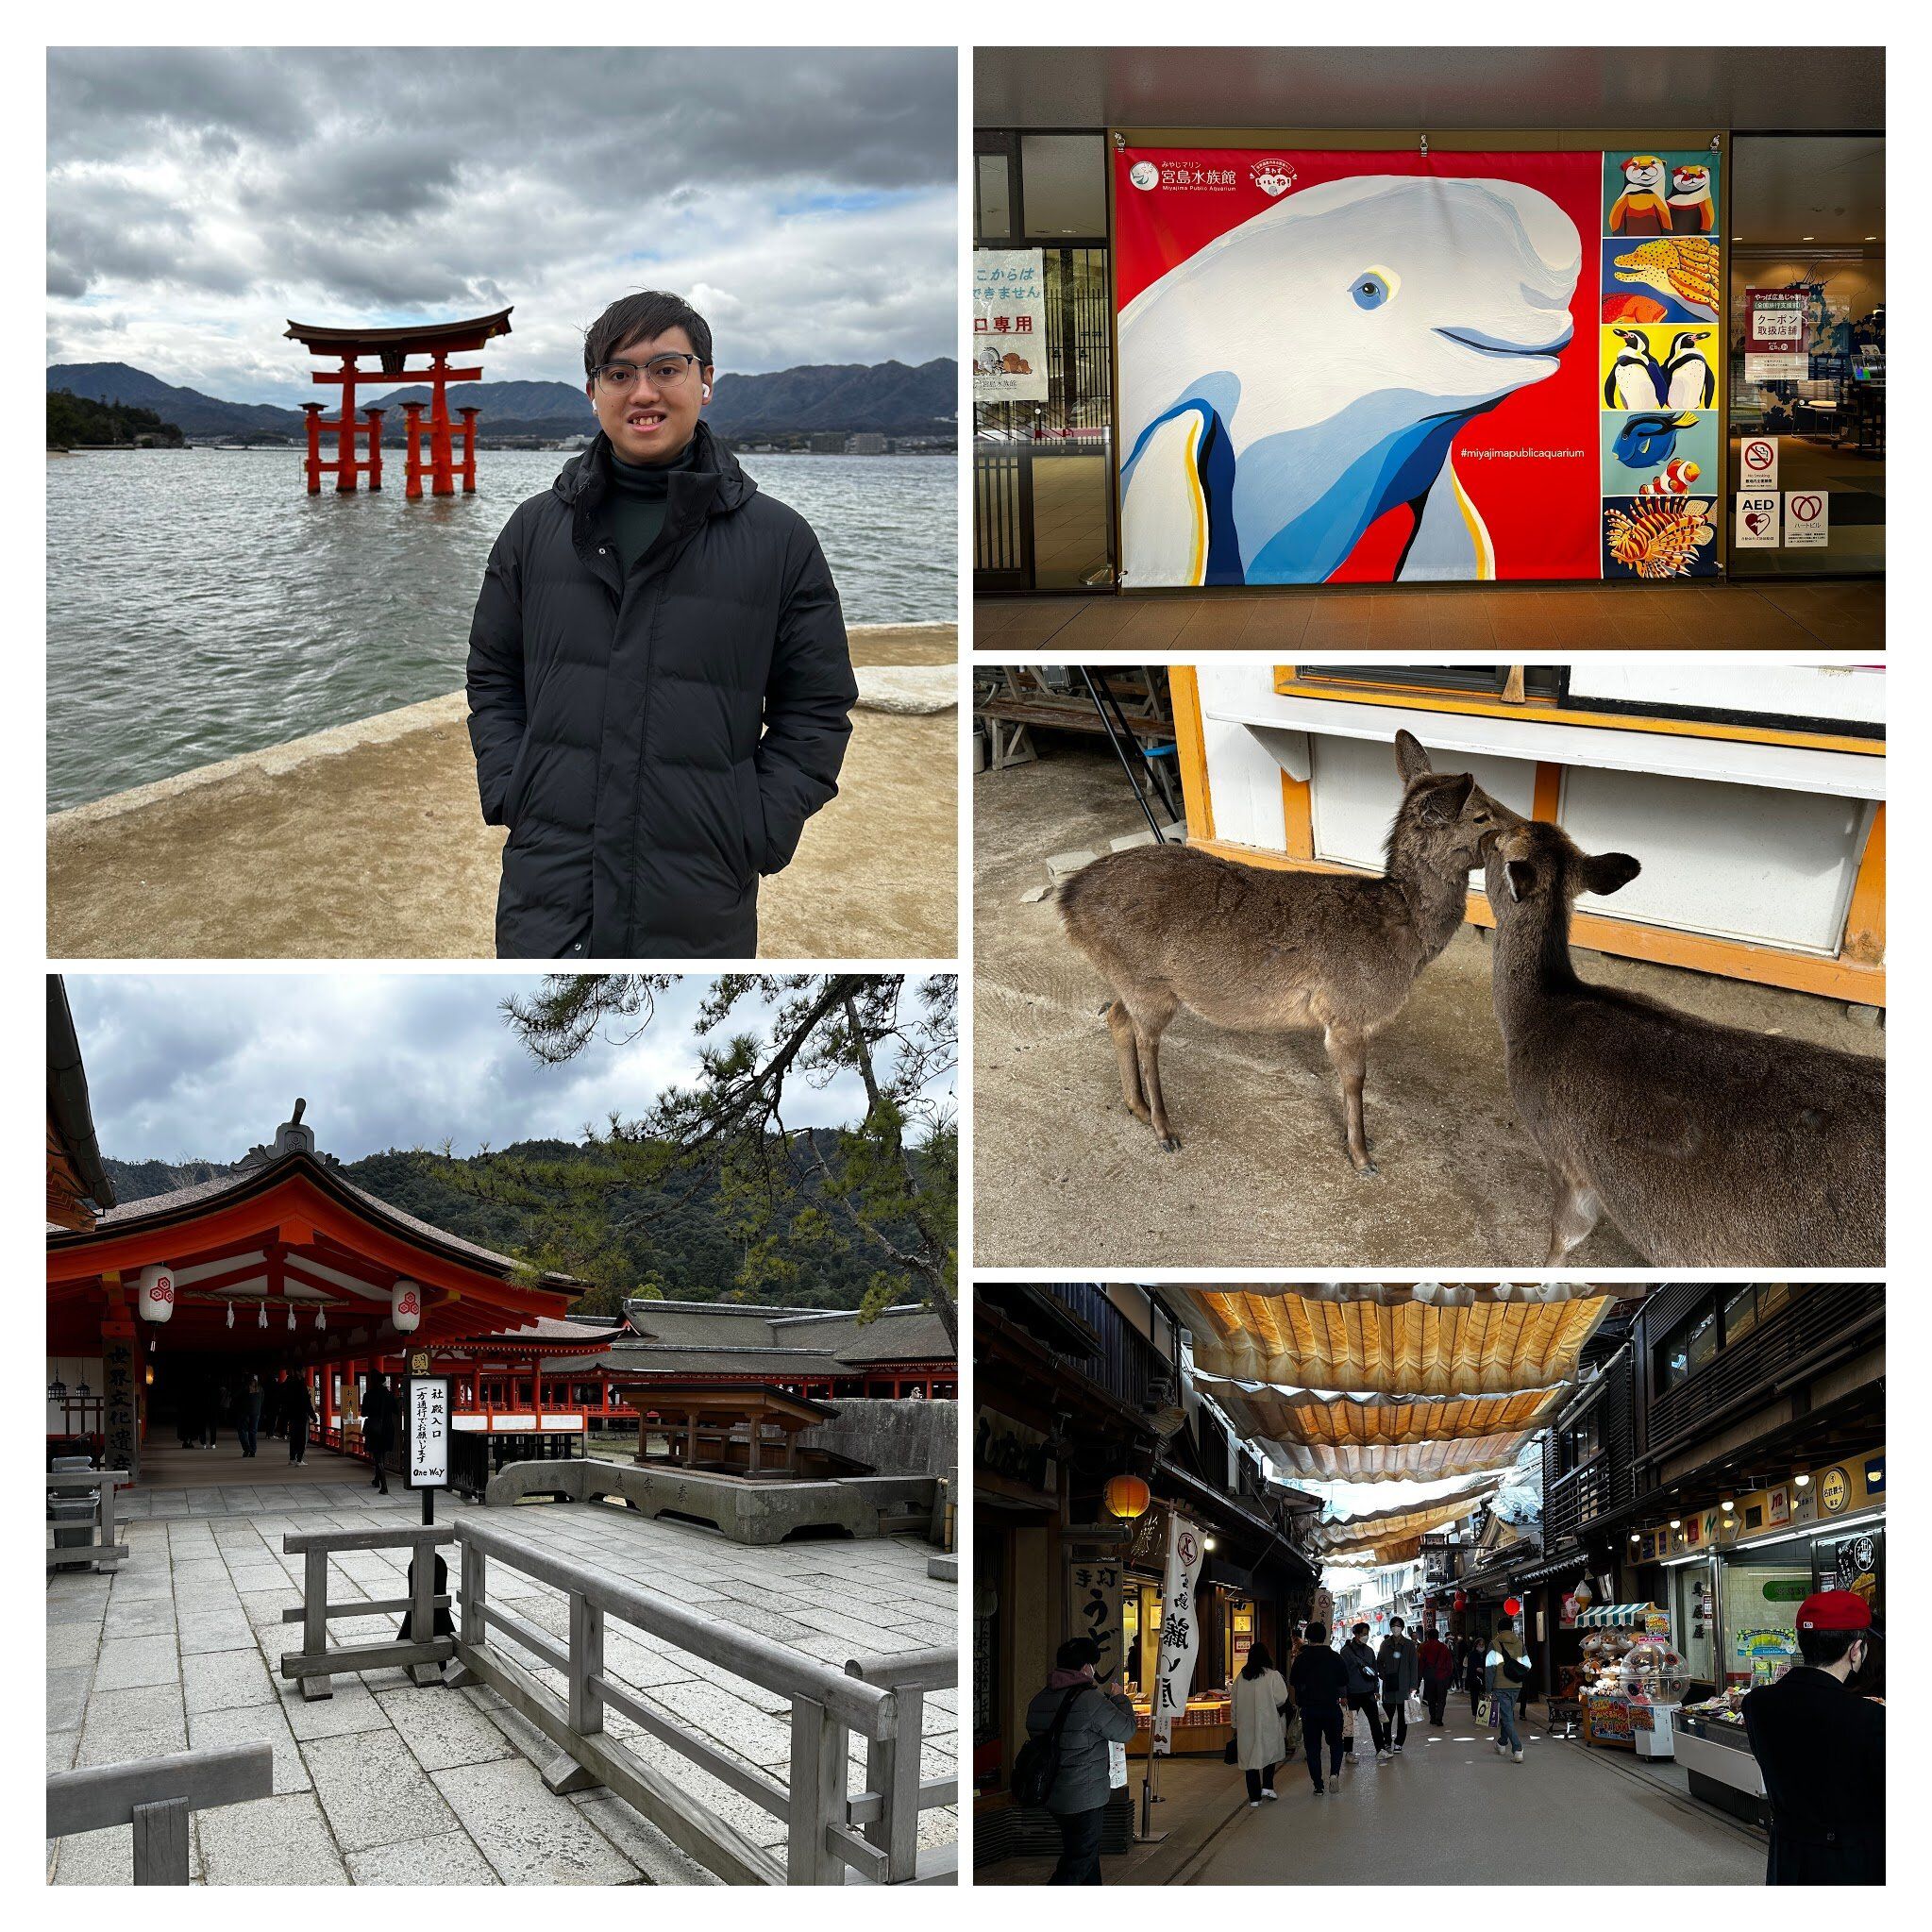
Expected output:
(390, 1783)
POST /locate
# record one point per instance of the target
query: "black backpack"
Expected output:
(1036, 1770)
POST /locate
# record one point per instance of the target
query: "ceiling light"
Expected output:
(1727, 1505)
(1637, 1536)
(1676, 1522)
(1803, 1481)
(1808, 238)
(1870, 238)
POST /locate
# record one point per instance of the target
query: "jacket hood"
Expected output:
(587, 475)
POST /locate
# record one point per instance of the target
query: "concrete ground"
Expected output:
(365, 843)
(1760, 614)
(1064, 1176)
(387, 1783)
(1447, 1810)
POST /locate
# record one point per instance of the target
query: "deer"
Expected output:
(1709, 1145)
(1255, 949)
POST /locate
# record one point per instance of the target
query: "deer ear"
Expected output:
(1447, 800)
(1521, 877)
(1411, 761)
(1608, 873)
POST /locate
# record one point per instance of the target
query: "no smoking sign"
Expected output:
(1758, 455)
(1807, 519)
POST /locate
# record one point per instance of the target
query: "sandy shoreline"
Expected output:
(363, 841)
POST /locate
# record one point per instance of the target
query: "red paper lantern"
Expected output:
(1512, 1607)
(1462, 1603)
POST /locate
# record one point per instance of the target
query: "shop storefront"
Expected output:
(1691, 383)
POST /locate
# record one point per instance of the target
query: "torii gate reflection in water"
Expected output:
(358, 445)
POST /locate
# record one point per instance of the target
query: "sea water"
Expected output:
(201, 604)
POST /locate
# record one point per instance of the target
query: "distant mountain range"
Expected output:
(886, 398)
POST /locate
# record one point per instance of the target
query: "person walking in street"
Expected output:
(249, 1414)
(275, 1420)
(1400, 1669)
(1261, 1736)
(1438, 1666)
(658, 678)
(380, 1416)
(1365, 1686)
(1821, 1748)
(1475, 1677)
(300, 1408)
(1506, 1670)
(1318, 1683)
(1078, 1728)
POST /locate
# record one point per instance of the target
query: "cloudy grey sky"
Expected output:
(202, 1067)
(199, 198)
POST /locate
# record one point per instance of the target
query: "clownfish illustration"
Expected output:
(1690, 383)
(1691, 198)
(1641, 208)
(1396, 307)
(1674, 479)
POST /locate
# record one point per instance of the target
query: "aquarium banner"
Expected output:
(1378, 367)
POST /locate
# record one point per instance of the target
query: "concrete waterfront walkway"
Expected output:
(364, 842)
(1448, 1810)
(388, 1783)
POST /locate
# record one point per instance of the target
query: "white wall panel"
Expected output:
(1356, 791)
(1244, 774)
(1852, 694)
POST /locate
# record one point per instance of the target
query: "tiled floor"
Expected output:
(390, 1783)
(1758, 616)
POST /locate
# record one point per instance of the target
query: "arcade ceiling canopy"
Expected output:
(289, 1234)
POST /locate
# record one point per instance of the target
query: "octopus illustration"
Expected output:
(1680, 265)
(1661, 537)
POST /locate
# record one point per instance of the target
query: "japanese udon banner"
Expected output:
(1380, 366)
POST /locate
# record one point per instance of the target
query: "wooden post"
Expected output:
(423, 1605)
(347, 467)
(817, 1794)
(314, 1620)
(470, 1631)
(586, 1662)
(375, 417)
(313, 411)
(442, 483)
(160, 1842)
(106, 1493)
(413, 417)
(690, 1441)
(753, 1463)
(469, 450)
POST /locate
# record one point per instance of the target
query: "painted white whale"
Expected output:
(1309, 369)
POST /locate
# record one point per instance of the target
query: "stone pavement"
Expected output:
(1448, 1810)
(387, 1783)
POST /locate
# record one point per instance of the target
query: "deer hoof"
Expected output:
(1169, 1144)
(1367, 1170)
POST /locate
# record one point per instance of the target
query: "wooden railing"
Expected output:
(155, 1795)
(828, 1829)
(422, 1653)
(102, 1547)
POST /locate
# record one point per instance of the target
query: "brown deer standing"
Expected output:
(1707, 1145)
(1256, 950)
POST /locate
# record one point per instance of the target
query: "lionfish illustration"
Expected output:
(1674, 479)
(1684, 266)
(1662, 538)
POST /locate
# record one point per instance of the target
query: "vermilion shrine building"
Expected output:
(359, 444)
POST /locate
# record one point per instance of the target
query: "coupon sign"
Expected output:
(1757, 457)
(1758, 521)
(1807, 519)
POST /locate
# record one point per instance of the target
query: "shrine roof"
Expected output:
(470, 334)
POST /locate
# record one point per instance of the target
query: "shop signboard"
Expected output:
(1775, 346)
(1757, 520)
(1757, 464)
(1807, 519)
(1093, 1606)
(1180, 1630)
(1009, 345)
(1304, 398)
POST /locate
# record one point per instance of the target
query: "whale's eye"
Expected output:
(1369, 290)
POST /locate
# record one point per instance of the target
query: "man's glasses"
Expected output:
(666, 372)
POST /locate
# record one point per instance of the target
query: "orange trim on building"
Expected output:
(1865, 917)
(1190, 750)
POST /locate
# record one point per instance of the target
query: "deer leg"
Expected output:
(1347, 1053)
(1573, 1215)
(1149, 1025)
(1127, 1052)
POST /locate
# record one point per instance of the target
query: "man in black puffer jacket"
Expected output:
(659, 682)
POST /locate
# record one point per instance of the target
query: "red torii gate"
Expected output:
(358, 445)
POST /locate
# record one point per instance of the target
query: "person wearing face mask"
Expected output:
(1821, 1748)
(658, 679)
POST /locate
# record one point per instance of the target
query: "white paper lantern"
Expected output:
(156, 1298)
(406, 1306)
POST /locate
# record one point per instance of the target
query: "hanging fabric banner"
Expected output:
(1180, 1631)
(1370, 366)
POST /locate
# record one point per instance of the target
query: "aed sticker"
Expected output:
(1757, 459)
(1758, 521)
(1807, 519)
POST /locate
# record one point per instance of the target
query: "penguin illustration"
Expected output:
(1691, 198)
(1641, 208)
(1635, 381)
(1689, 380)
